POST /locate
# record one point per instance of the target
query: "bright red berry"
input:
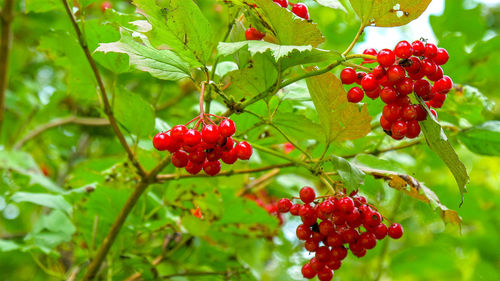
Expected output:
(429, 67)
(326, 227)
(430, 51)
(307, 271)
(346, 204)
(229, 157)
(438, 100)
(243, 150)
(388, 95)
(227, 127)
(212, 168)
(443, 85)
(284, 205)
(192, 137)
(413, 129)
(380, 231)
(193, 168)
(386, 57)
(399, 129)
(373, 94)
(214, 154)
(403, 50)
(423, 89)
(386, 125)
(441, 57)
(177, 133)
(294, 210)
(436, 75)
(391, 112)
(405, 86)
(409, 113)
(300, 10)
(282, 3)
(326, 207)
(180, 159)
(369, 83)
(418, 48)
(210, 133)
(378, 72)
(161, 141)
(348, 75)
(368, 240)
(307, 194)
(395, 231)
(412, 65)
(253, 34)
(303, 232)
(355, 95)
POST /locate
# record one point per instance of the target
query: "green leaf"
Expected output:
(334, 4)
(483, 139)
(278, 51)
(180, 25)
(41, 6)
(285, 26)
(298, 126)
(351, 175)
(51, 230)
(438, 142)
(48, 200)
(256, 78)
(134, 113)
(162, 64)
(388, 13)
(340, 119)
(6, 246)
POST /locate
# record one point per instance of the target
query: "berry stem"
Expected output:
(353, 65)
(355, 40)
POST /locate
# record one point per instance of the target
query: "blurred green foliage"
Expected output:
(61, 190)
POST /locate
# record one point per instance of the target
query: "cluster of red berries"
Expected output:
(298, 9)
(267, 202)
(195, 150)
(414, 67)
(342, 220)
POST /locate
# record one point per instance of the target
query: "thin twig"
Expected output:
(355, 40)
(87, 121)
(5, 44)
(224, 273)
(107, 107)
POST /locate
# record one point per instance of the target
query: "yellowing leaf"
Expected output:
(389, 12)
(340, 119)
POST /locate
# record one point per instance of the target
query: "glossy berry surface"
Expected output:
(253, 34)
(301, 10)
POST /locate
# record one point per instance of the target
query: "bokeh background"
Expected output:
(40, 244)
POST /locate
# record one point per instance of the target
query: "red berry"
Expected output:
(430, 51)
(391, 112)
(386, 57)
(443, 85)
(316, 264)
(177, 133)
(227, 127)
(405, 86)
(311, 245)
(197, 157)
(409, 113)
(348, 76)
(325, 274)
(323, 254)
(386, 125)
(303, 232)
(326, 207)
(253, 34)
(372, 218)
(334, 240)
(307, 271)
(441, 57)
(212, 168)
(373, 94)
(412, 65)
(339, 253)
(193, 168)
(403, 101)
(317, 236)
(388, 95)
(438, 100)
(369, 83)
(210, 133)
(368, 240)
(294, 210)
(355, 95)
(403, 50)
(346, 204)
(334, 264)
(243, 150)
(423, 89)
(370, 51)
(306, 210)
(395, 231)
(418, 48)
(300, 10)
(434, 113)
(180, 159)
(229, 157)
(436, 75)
(326, 227)
(360, 76)
(354, 219)
(228, 144)
(429, 67)
(421, 113)
(284, 205)
(399, 129)
(161, 141)
(282, 3)
(378, 72)
(413, 129)
(380, 231)
(105, 5)
(360, 254)
(307, 194)
(192, 137)
(417, 75)
(350, 235)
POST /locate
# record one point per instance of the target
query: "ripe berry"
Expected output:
(409, 113)
(430, 51)
(229, 157)
(370, 51)
(429, 67)
(348, 76)
(355, 95)
(227, 127)
(284, 205)
(315, 263)
(334, 240)
(441, 57)
(243, 150)
(212, 168)
(300, 10)
(193, 168)
(161, 141)
(405, 86)
(180, 159)
(438, 100)
(372, 218)
(177, 133)
(418, 48)
(399, 129)
(395, 231)
(391, 112)
(368, 240)
(307, 194)
(307, 271)
(374, 93)
(228, 145)
(326, 227)
(306, 210)
(334, 264)
(395, 73)
(253, 34)
(403, 101)
(369, 83)
(378, 72)
(346, 204)
(105, 5)
(380, 231)
(311, 245)
(434, 113)
(388, 95)
(360, 76)
(192, 137)
(210, 133)
(339, 253)
(421, 113)
(294, 210)
(403, 50)
(282, 3)
(386, 57)
(386, 125)
(303, 232)
(326, 207)
(443, 85)
(325, 274)
(412, 65)
(413, 129)
(423, 89)
(350, 235)
(323, 254)
(436, 75)
(417, 75)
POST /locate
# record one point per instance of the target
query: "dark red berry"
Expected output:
(413, 129)
(180, 159)
(284, 205)
(395, 231)
(306, 210)
(441, 57)
(373, 94)
(197, 157)
(339, 253)
(360, 76)
(334, 264)
(325, 274)
(227, 128)
(429, 67)
(307, 194)
(360, 254)
(348, 76)
(386, 125)
(294, 210)
(326, 227)
(412, 65)
(355, 95)
(300, 10)
(380, 231)
(334, 240)
(436, 75)
(243, 150)
(346, 205)
(388, 95)
(423, 89)
(403, 50)
(378, 72)
(323, 254)
(350, 235)
(386, 57)
(368, 240)
(418, 48)
(391, 112)
(421, 113)
(409, 113)
(193, 168)
(253, 34)
(229, 157)
(307, 271)
(326, 207)
(212, 168)
(399, 129)
(311, 245)
(438, 100)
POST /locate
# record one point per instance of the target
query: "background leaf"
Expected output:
(386, 13)
(483, 139)
(134, 113)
